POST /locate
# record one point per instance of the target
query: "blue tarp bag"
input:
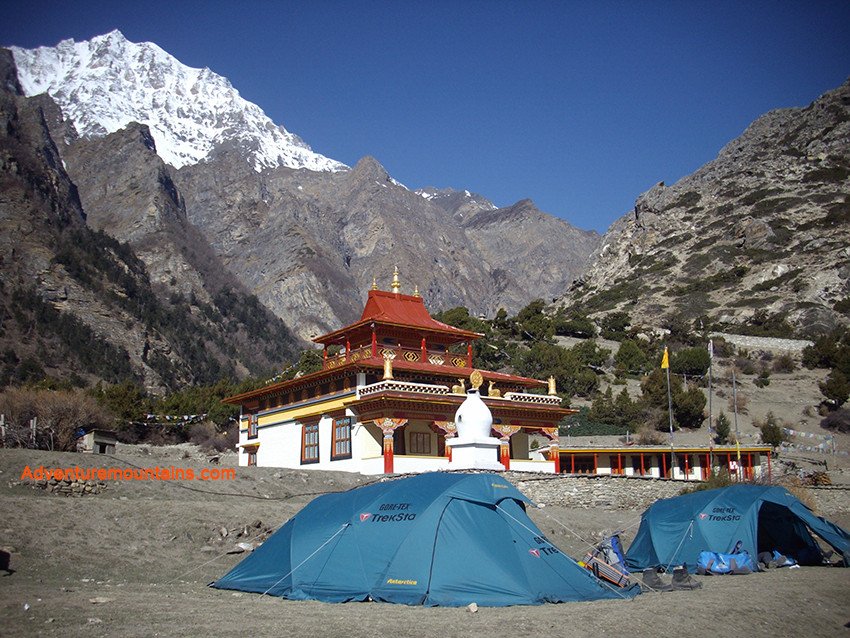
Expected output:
(718, 563)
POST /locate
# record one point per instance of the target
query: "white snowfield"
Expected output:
(107, 82)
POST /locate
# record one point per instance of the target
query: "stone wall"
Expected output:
(636, 493)
(590, 492)
(67, 487)
(771, 344)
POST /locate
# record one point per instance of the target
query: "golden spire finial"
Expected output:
(396, 284)
(374, 283)
(416, 291)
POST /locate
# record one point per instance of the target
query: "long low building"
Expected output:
(385, 400)
(747, 462)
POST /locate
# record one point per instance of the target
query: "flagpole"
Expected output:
(737, 432)
(710, 437)
(665, 363)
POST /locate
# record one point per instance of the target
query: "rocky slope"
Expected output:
(758, 233)
(309, 244)
(81, 304)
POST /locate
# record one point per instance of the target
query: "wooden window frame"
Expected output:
(341, 425)
(252, 457)
(308, 447)
(253, 426)
(415, 439)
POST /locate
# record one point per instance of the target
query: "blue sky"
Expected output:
(580, 106)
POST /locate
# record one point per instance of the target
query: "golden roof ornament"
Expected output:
(374, 283)
(476, 379)
(416, 291)
(396, 284)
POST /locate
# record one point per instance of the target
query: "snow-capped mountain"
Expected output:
(107, 82)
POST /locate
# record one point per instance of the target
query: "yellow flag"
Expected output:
(665, 360)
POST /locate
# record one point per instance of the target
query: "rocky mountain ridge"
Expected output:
(757, 234)
(105, 83)
(212, 232)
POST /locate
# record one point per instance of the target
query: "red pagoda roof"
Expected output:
(405, 311)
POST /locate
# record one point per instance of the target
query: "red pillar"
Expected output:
(556, 452)
(664, 466)
(424, 351)
(325, 353)
(468, 355)
(572, 463)
(620, 462)
(595, 464)
(374, 343)
(388, 453)
(505, 449)
(642, 470)
(687, 469)
(347, 348)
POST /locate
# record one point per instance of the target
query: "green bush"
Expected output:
(771, 430)
(836, 388)
(614, 325)
(690, 361)
(630, 358)
(722, 428)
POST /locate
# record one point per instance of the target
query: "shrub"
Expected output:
(647, 435)
(722, 428)
(784, 363)
(688, 407)
(837, 420)
(836, 388)
(771, 430)
(614, 325)
(738, 401)
(745, 366)
(630, 358)
(690, 361)
(763, 378)
(59, 416)
(208, 438)
(574, 326)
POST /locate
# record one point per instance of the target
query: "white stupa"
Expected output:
(473, 448)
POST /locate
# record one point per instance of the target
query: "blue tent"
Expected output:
(432, 539)
(762, 518)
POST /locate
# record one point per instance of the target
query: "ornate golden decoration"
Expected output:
(476, 379)
(492, 391)
(388, 364)
(551, 381)
(458, 362)
(388, 425)
(396, 285)
(416, 291)
(447, 427)
(374, 283)
(507, 431)
(459, 389)
(436, 359)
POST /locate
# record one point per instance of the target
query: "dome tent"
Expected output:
(762, 518)
(436, 539)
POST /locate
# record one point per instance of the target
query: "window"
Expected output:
(420, 443)
(252, 426)
(252, 457)
(310, 444)
(341, 439)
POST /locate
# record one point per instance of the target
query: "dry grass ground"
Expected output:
(141, 546)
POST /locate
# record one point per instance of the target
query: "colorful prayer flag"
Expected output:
(665, 360)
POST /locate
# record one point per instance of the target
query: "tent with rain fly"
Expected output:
(432, 539)
(761, 518)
